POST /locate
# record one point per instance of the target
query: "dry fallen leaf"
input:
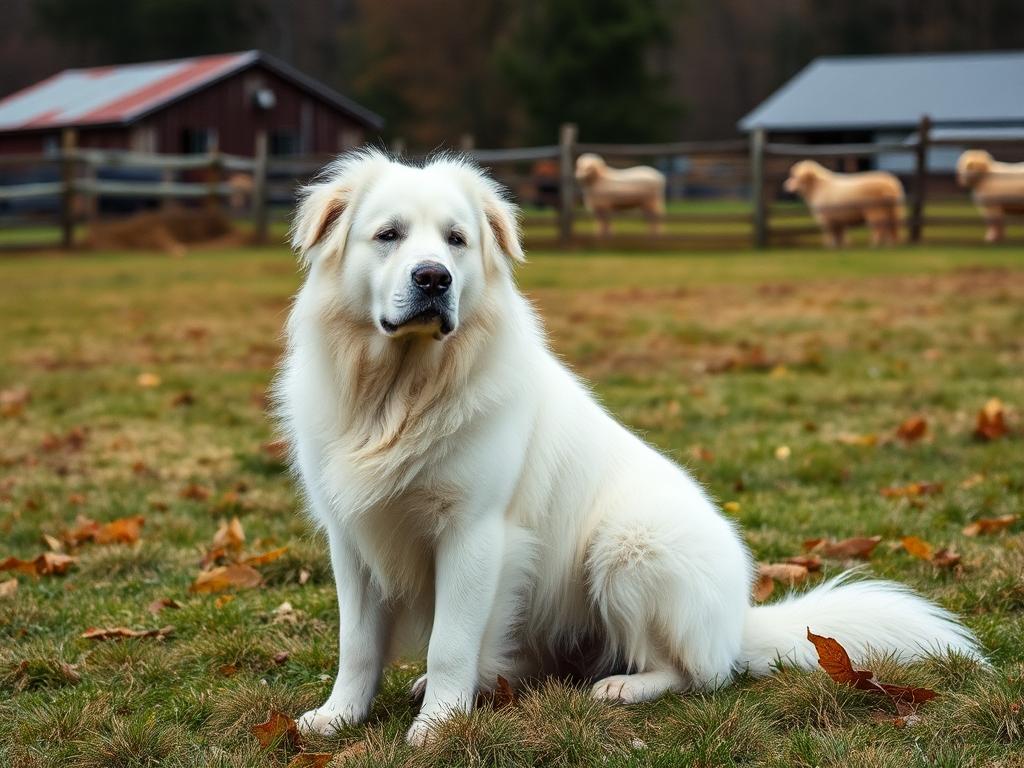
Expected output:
(991, 423)
(281, 657)
(865, 441)
(235, 576)
(195, 492)
(125, 530)
(119, 633)
(946, 558)
(8, 588)
(859, 547)
(834, 659)
(731, 506)
(914, 489)
(14, 400)
(265, 557)
(763, 588)
(312, 759)
(810, 562)
(163, 602)
(912, 429)
(229, 535)
(917, 547)
(277, 728)
(784, 573)
(223, 600)
(989, 525)
(53, 543)
(783, 452)
(148, 380)
(503, 695)
(48, 563)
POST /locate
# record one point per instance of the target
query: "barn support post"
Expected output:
(920, 179)
(566, 182)
(68, 145)
(259, 188)
(760, 223)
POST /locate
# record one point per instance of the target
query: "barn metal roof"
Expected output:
(878, 92)
(125, 93)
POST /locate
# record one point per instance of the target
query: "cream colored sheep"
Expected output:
(997, 189)
(606, 190)
(841, 200)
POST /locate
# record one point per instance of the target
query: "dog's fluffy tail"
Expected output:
(866, 617)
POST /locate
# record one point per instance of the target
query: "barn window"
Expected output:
(198, 141)
(284, 143)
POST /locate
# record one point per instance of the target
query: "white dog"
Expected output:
(477, 497)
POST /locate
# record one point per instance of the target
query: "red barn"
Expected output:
(186, 106)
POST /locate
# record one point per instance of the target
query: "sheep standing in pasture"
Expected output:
(997, 189)
(606, 190)
(841, 200)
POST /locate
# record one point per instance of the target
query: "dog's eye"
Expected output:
(456, 239)
(388, 235)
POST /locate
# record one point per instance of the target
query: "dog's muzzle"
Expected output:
(428, 302)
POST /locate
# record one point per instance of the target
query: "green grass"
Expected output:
(856, 341)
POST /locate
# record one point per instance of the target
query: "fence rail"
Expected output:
(749, 172)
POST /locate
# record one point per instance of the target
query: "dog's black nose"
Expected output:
(432, 278)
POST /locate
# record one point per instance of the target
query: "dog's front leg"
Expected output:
(468, 565)
(361, 642)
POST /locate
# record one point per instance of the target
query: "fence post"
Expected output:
(920, 179)
(259, 189)
(68, 144)
(567, 182)
(757, 141)
(215, 175)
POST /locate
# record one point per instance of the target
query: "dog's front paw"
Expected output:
(421, 732)
(328, 719)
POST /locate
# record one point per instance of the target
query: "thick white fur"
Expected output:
(478, 499)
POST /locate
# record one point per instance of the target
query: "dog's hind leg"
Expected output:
(671, 598)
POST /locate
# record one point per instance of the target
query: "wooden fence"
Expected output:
(732, 189)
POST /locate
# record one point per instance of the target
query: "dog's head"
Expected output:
(405, 249)
(972, 165)
(589, 166)
(802, 177)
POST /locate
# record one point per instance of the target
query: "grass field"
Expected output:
(779, 378)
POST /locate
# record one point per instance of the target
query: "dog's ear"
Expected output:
(503, 222)
(325, 210)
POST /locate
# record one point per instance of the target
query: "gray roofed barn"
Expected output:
(887, 93)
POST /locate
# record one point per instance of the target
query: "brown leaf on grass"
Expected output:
(917, 547)
(763, 588)
(784, 573)
(125, 530)
(277, 728)
(14, 400)
(229, 535)
(859, 547)
(810, 562)
(183, 399)
(195, 492)
(504, 696)
(834, 659)
(313, 759)
(913, 489)
(162, 602)
(147, 380)
(121, 633)
(223, 600)
(236, 576)
(265, 557)
(46, 564)
(991, 423)
(989, 525)
(864, 441)
(53, 543)
(946, 558)
(8, 588)
(913, 429)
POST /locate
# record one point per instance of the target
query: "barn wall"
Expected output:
(227, 108)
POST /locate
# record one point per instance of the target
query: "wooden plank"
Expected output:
(567, 181)
(730, 147)
(67, 208)
(757, 144)
(920, 179)
(776, 149)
